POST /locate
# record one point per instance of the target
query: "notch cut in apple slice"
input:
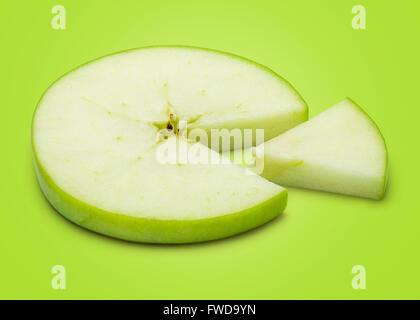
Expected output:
(94, 144)
(341, 150)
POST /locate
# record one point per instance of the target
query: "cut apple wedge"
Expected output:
(95, 140)
(341, 150)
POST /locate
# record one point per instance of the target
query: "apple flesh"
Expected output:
(341, 150)
(147, 201)
(94, 144)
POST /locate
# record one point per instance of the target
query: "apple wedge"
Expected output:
(95, 140)
(341, 150)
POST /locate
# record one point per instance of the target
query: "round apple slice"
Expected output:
(95, 146)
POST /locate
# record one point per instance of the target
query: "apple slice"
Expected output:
(95, 146)
(341, 150)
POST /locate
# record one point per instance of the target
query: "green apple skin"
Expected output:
(153, 230)
(386, 173)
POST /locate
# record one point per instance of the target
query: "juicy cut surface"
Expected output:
(95, 129)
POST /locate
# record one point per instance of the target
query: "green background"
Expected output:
(310, 251)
